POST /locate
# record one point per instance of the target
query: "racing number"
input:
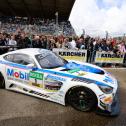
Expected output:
(36, 79)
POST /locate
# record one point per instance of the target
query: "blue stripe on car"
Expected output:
(73, 65)
(51, 72)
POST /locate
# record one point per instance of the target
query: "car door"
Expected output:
(19, 73)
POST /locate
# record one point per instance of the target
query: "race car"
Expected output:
(44, 74)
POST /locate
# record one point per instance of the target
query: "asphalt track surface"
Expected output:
(21, 110)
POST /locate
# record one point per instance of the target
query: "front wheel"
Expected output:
(2, 81)
(82, 99)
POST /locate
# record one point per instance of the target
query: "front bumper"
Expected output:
(115, 107)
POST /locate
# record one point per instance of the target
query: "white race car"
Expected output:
(42, 73)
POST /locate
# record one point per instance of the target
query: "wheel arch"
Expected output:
(79, 86)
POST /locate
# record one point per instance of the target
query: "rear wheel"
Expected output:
(82, 99)
(2, 81)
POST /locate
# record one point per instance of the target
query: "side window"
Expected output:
(9, 57)
(23, 59)
(19, 58)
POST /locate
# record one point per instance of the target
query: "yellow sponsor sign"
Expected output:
(109, 60)
(78, 55)
(108, 57)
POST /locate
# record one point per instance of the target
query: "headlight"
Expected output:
(106, 89)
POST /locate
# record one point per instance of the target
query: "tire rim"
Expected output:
(81, 100)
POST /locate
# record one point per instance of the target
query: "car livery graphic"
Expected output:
(44, 74)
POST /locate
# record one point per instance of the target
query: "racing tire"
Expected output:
(82, 99)
(2, 81)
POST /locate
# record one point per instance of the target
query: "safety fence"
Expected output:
(103, 59)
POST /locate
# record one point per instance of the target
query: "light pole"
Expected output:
(106, 35)
(56, 14)
(83, 33)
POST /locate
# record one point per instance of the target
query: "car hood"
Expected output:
(87, 72)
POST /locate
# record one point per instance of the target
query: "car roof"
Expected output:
(30, 51)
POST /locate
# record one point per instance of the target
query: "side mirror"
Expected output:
(32, 66)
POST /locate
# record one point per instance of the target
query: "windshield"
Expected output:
(50, 60)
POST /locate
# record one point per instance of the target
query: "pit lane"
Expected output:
(21, 110)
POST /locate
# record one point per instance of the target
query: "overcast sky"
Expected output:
(98, 16)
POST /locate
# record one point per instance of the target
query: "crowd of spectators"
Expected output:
(22, 38)
(35, 25)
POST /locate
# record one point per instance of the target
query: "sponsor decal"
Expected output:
(108, 79)
(74, 70)
(17, 74)
(108, 99)
(39, 94)
(36, 79)
(37, 85)
(53, 86)
(33, 92)
(85, 80)
(36, 75)
(81, 73)
(56, 78)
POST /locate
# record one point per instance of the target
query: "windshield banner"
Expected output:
(68, 54)
(108, 57)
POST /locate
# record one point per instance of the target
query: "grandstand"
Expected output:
(36, 8)
(36, 16)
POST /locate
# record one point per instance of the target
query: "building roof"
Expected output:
(36, 8)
